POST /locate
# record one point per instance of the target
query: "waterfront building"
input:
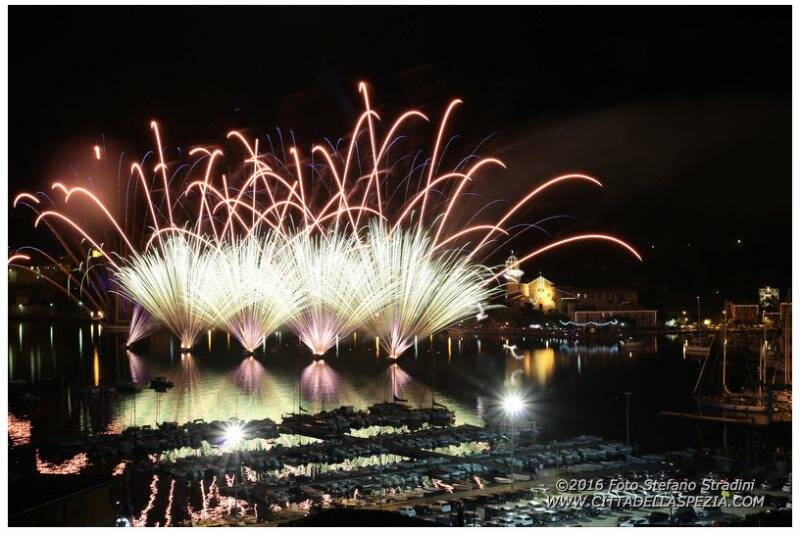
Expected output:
(637, 317)
(769, 297)
(579, 304)
(742, 313)
(540, 293)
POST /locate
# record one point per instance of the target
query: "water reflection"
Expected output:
(399, 381)
(71, 466)
(137, 368)
(186, 394)
(248, 375)
(537, 366)
(320, 383)
(218, 384)
(96, 367)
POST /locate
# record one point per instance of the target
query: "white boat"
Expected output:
(697, 348)
(632, 344)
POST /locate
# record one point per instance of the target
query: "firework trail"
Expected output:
(142, 324)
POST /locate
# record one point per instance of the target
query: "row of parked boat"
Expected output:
(346, 418)
(138, 441)
(145, 440)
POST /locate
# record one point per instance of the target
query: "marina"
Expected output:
(411, 435)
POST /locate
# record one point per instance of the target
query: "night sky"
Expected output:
(684, 113)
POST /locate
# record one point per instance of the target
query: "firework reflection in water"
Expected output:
(320, 383)
(188, 389)
(248, 375)
(138, 369)
(400, 382)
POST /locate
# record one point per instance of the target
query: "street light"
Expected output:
(698, 312)
(627, 419)
(234, 435)
(513, 405)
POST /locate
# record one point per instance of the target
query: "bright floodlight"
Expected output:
(234, 434)
(513, 404)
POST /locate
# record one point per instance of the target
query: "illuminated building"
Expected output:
(579, 304)
(638, 317)
(742, 313)
(600, 299)
(769, 297)
(540, 293)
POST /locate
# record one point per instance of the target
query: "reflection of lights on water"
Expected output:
(141, 521)
(400, 380)
(80, 341)
(51, 337)
(96, 367)
(319, 382)
(19, 430)
(114, 428)
(215, 506)
(70, 466)
(137, 368)
(20, 335)
(168, 512)
(539, 365)
(439, 484)
(249, 374)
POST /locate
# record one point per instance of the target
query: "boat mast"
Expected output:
(698, 317)
(725, 348)
(787, 342)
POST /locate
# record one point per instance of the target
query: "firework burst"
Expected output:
(337, 300)
(255, 289)
(167, 282)
(430, 290)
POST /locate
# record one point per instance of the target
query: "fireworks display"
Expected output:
(324, 243)
(255, 289)
(430, 291)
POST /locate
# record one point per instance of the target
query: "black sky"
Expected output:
(684, 112)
